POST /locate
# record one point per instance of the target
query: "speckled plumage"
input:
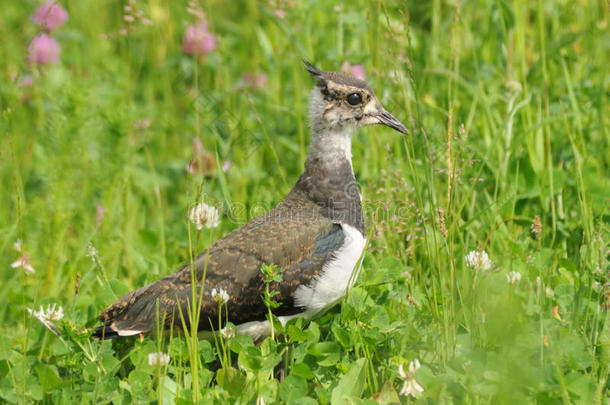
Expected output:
(302, 235)
(296, 236)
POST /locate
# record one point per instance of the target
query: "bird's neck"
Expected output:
(331, 146)
(329, 181)
(330, 143)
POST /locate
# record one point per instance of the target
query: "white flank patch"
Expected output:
(124, 332)
(128, 332)
(330, 285)
(324, 290)
(259, 329)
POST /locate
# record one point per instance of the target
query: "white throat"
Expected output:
(327, 140)
(332, 143)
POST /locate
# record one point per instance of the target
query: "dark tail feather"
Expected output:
(104, 333)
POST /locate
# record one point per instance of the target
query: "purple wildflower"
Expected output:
(355, 70)
(197, 40)
(50, 15)
(44, 50)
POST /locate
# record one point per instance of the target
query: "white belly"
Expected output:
(330, 285)
(326, 289)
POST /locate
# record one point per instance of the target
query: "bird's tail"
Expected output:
(104, 333)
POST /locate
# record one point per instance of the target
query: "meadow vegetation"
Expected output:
(486, 277)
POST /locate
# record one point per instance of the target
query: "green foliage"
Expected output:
(271, 274)
(509, 153)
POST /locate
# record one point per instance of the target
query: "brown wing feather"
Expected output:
(286, 237)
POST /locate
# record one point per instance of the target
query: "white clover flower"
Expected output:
(158, 359)
(53, 313)
(204, 215)
(513, 86)
(410, 386)
(478, 260)
(49, 316)
(92, 252)
(24, 261)
(513, 277)
(227, 332)
(220, 296)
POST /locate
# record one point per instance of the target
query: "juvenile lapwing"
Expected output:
(316, 235)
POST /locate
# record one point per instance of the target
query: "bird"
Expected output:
(316, 236)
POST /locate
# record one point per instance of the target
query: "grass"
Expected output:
(508, 108)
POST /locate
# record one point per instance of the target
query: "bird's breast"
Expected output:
(337, 274)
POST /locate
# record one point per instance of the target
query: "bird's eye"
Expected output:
(354, 98)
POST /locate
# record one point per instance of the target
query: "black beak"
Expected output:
(391, 121)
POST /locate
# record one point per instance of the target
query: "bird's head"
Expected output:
(340, 102)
